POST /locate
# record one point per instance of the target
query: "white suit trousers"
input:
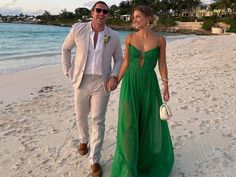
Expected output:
(91, 97)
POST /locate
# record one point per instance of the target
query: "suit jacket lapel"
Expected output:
(86, 38)
(106, 33)
(103, 48)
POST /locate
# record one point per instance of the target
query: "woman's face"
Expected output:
(140, 20)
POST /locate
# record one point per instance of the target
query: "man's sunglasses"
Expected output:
(98, 10)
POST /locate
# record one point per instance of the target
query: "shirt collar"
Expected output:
(103, 32)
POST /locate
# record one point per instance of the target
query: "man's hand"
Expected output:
(112, 83)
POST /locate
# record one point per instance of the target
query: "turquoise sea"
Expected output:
(27, 46)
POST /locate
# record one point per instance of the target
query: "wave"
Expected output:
(25, 57)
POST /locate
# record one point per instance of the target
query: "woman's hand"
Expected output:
(165, 92)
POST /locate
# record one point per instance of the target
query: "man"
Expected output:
(92, 77)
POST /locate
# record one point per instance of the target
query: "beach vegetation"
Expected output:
(169, 12)
(233, 24)
(167, 20)
(114, 11)
(82, 13)
(207, 24)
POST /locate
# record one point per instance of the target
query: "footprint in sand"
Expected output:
(192, 120)
(180, 100)
(205, 125)
(9, 133)
(206, 111)
(179, 141)
(197, 109)
(183, 107)
(228, 161)
(175, 124)
(173, 93)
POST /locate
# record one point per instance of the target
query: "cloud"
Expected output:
(10, 3)
(207, 1)
(10, 11)
(89, 4)
(18, 10)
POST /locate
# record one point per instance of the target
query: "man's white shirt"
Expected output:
(94, 60)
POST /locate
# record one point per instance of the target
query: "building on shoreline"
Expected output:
(125, 17)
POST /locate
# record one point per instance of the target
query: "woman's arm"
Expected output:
(163, 68)
(125, 62)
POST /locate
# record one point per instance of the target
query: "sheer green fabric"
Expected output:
(144, 147)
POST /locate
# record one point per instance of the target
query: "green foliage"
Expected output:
(186, 19)
(160, 7)
(207, 24)
(66, 15)
(46, 13)
(81, 12)
(232, 27)
(213, 18)
(225, 4)
(147, 2)
(166, 20)
(226, 20)
(124, 8)
(114, 11)
(233, 24)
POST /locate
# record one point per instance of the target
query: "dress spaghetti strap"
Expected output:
(130, 38)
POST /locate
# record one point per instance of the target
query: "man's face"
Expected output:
(100, 14)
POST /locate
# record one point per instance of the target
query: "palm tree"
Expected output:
(225, 6)
(114, 11)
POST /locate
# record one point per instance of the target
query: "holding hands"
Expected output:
(112, 83)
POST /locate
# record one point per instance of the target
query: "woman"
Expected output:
(144, 146)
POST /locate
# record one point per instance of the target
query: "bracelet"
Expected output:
(164, 80)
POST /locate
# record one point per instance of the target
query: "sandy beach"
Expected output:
(38, 133)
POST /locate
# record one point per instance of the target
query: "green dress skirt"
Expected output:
(144, 147)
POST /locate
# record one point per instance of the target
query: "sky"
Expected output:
(37, 7)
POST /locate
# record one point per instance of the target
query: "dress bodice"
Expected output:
(150, 58)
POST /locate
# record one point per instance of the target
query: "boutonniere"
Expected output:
(106, 39)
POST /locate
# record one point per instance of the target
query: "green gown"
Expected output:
(144, 147)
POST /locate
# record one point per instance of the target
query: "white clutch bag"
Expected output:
(165, 112)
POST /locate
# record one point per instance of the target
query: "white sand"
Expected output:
(38, 134)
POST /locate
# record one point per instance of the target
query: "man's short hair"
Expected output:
(99, 2)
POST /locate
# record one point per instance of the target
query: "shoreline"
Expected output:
(130, 28)
(166, 30)
(38, 134)
(55, 57)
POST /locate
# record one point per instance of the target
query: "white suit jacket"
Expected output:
(79, 37)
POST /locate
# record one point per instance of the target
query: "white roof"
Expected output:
(207, 1)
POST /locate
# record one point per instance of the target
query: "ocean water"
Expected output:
(27, 46)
